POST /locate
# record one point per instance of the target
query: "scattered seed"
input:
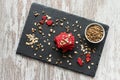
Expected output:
(68, 61)
(33, 29)
(40, 31)
(60, 62)
(61, 24)
(80, 27)
(49, 35)
(48, 17)
(41, 46)
(61, 20)
(56, 62)
(32, 46)
(49, 60)
(51, 30)
(67, 22)
(75, 52)
(43, 34)
(76, 42)
(36, 14)
(78, 35)
(76, 22)
(48, 43)
(35, 54)
(88, 67)
(57, 20)
(69, 56)
(53, 25)
(77, 25)
(75, 30)
(35, 23)
(38, 24)
(73, 24)
(50, 55)
(40, 56)
(92, 63)
(42, 49)
(40, 28)
(44, 41)
(64, 18)
(36, 48)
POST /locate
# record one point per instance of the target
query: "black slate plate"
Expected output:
(57, 57)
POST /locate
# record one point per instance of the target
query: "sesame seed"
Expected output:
(49, 35)
(69, 56)
(42, 49)
(75, 30)
(80, 27)
(43, 34)
(67, 22)
(51, 30)
(41, 46)
(73, 24)
(49, 60)
(88, 67)
(54, 31)
(76, 42)
(35, 54)
(70, 63)
(92, 63)
(75, 52)
(48, 43)
(35, 23)
(44, 40)
(76, 22)
(50, 55)
(60, 62)
(40, 56)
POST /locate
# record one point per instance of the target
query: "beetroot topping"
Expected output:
(65, 41)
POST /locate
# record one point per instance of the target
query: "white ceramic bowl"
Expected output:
(90, 26)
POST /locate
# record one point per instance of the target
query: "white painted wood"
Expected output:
(13, 14)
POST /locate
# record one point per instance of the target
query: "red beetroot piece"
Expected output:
(49, 22)
(65, 41)
(80, 61)
(88, 57)
(44, 18)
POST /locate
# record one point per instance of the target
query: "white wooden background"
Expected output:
(13, 14)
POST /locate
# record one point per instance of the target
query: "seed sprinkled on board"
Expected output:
(35, 54)
(75, 52)
(40, 56)
(49, 60)
(50, 55)
(76, 42)
(49, 35)
(42, 49)
(48, 43)
(89, 67)
(92, 63)
(70, 63)
(36, 14)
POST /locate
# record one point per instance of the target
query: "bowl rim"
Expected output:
(98, 25)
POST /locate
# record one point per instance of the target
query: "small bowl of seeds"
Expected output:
(94, 33)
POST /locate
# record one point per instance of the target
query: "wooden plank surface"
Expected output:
(13, 14)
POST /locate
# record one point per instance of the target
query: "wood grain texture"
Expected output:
(13, 14)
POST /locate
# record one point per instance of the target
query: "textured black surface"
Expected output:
(27, 51)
